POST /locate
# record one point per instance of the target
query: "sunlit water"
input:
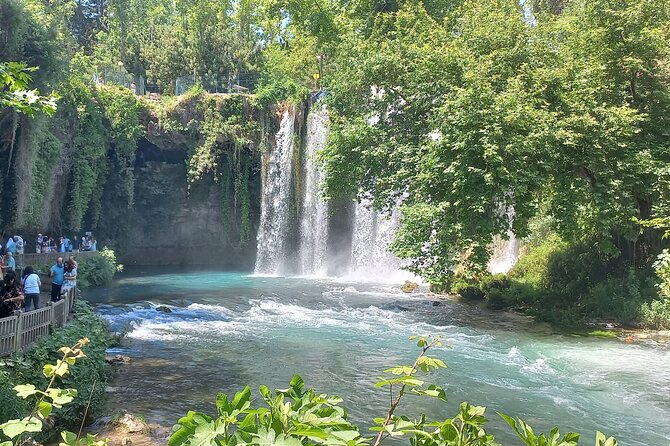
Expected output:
(227, 330)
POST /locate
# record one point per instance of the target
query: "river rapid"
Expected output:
(227, 329)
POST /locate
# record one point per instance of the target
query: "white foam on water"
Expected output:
(538, 367)
(187, 331)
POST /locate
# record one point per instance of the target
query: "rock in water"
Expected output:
(117, 359)
(131, 423)
(409, 287)
(164, 309)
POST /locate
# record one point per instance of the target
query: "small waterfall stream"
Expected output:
(372, 234)
(274, 225)
(505, 252)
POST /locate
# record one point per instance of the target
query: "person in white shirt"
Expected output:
(31, 288)
(20, 245)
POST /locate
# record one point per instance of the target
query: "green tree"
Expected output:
(486, 110)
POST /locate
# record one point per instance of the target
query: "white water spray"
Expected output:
(373, 232)
(505, 252)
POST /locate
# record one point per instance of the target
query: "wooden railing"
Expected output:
(22, 329)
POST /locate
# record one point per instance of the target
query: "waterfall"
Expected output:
(274, 224)
(505, 252)
(314, 211)
(305, 247)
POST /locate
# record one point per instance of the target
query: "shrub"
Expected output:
(10, 406)
(441, 286)
(494, 287)
(656, 314)
(89, 377)
(97, 270)
(29, 429)
(467, 290)
(534, 266)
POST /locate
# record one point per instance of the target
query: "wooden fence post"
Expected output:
(52, 315)
(19, 330)
(66, 307)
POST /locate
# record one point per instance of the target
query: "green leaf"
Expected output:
(241, 398)
(25, 390)
(399, 370)
(405, 380)
(311, 432)
(69, 439)
(14, 428)
(61, 396)
(44, 408)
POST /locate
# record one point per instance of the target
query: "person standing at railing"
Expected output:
(20, 244)
(38, 244)
(11, 297)
(11, 262)
(57, 273)
(70, 275)
(11, 246)
(31, 288)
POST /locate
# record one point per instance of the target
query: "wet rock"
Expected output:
(131, 423)
(409, 286)
(437, 303)
(118, 359)
(164, 309)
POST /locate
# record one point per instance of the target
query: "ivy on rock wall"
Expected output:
(48, 150)
(226, 151)
(105, 125)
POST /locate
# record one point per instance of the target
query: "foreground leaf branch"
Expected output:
(296, 416)
(19, 430)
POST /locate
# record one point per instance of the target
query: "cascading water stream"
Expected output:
(372, 233)
(314, 212)
(273, 230)
(505, 252)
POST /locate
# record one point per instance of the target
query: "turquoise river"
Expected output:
(226, 330)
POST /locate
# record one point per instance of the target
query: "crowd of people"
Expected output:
(46, 244)
(24, 293)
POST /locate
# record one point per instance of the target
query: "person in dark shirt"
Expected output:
(11, 296)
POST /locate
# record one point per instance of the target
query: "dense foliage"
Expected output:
(88, 378)
(493, 110)
(22, 429)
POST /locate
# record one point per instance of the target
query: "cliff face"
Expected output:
(174, 222)
(162, 184)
